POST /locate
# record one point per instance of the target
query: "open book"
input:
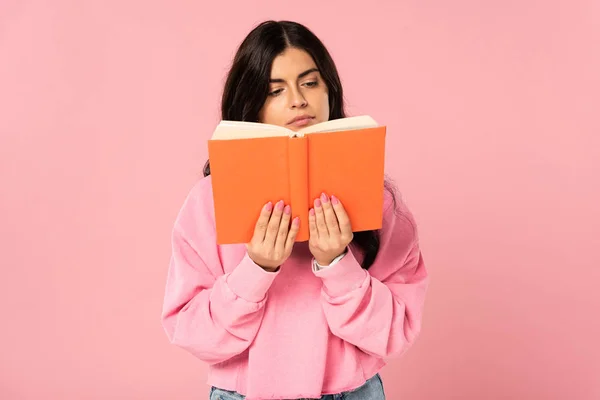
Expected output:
(253, 163)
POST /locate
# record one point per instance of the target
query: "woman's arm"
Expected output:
(379, 310)
(213, 315)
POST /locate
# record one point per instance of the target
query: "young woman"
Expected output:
(275, 319)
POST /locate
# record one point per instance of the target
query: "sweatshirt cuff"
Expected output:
(317, 266)
(343, 277)
(249, 281)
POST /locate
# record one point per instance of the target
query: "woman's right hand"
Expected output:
(273, 237)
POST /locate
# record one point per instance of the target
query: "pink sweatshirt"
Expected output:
(298, 332)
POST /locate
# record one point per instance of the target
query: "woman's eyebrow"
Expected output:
(303, 74)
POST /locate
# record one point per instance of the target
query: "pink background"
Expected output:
(494, 139)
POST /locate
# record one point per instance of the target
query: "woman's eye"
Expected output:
(311, 84)
(275, 92)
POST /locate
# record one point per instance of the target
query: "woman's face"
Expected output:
(297, 96)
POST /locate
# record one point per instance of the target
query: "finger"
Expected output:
(284, 228)
(260, 228)
(320, 216)
(342, 216)
(291, 238)
(312, 224)
(330, 217)
(273, 226)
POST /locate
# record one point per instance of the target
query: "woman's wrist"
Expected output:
(325, 263)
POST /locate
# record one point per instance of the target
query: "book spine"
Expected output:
(298, 170)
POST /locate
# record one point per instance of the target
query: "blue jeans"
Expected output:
(371, 390)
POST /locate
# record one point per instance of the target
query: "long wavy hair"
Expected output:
(247, 87)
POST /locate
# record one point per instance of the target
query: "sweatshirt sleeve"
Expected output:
(212, 314)
(379, 310)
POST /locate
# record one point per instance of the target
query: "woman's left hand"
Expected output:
(329, 229)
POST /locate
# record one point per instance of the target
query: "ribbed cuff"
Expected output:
(343, 277)
(249, 281)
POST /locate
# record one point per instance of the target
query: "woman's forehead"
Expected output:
(291, 64)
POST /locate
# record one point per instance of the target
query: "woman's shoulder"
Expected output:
(201, 189)
(197, 208)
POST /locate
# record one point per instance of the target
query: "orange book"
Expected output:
(253, 163)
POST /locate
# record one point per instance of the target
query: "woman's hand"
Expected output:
(273, 237)
(330, 229)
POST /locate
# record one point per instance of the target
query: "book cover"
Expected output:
(253, 163)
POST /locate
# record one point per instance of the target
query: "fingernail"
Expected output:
(312, 212)
(317, 203)
(334, 200)
(287, 209)
(324, 198)
(269, 206)
(279, 205)
(296, 221)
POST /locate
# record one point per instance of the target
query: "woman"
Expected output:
(275, 319)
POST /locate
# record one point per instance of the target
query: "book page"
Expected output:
(246, 130)
(227, 130)
(341, 124)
